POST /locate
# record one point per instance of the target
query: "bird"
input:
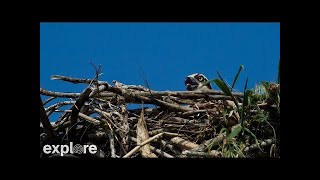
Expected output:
(197, 81)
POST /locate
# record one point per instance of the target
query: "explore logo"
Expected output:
(65, 149)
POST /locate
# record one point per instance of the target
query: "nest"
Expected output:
(165, 124)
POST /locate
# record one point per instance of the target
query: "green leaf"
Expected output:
(248, 130)
(220, 76)
(236, 78)
(235, 132)
(222, 130)
(210, 81)
(245, 86)
(254, 136)
(245, 102)
(224, 88)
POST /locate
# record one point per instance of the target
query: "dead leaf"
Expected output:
(143, 135)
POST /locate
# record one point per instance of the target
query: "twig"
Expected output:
(142, 144)
(98, 71)
(158, 151)
(52, 108)
(48, 100)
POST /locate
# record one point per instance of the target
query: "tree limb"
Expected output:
(45, 121)
(76, 109)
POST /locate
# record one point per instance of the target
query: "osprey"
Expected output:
(197, 81)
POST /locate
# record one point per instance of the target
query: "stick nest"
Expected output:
(164, 124)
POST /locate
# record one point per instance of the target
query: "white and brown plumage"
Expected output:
(197, 81)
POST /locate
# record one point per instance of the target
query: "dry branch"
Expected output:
(48, 100)
(211, 154)
(45, 121)
(58, 94)
(183, 144)
(76, 80)
(52, 108)
(155, 93)
(142, 144)
(76, 109)
(111, 139)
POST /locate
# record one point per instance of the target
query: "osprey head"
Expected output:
(196, 81)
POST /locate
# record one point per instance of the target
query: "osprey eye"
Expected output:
(200, 78)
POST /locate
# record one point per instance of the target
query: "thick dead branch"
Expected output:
(52, 108)
(172, 106)
(190, 113)
(169, 146)
(76, 109)
(195, 154)
(189, 94)
(76, 80)
(86, 118)
(218, 139)
(183, 144)
(111, 140)
(58, 94)
(45, 121)
(89, 119)
(125, 127)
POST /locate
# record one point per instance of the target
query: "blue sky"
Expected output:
(167, 52)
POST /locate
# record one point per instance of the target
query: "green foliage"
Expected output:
(255, 123)
(236, 78)
(235, 132)
(224, 88)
